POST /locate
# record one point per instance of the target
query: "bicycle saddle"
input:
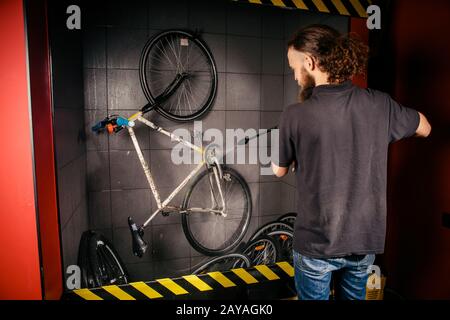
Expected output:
(139, 245)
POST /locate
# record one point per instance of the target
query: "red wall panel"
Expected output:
(44, 153)
(19, 254)
(358, 27)
(417, 259)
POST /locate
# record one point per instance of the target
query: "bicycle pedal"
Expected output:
(165, 213)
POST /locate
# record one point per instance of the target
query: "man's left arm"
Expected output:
(286, 153)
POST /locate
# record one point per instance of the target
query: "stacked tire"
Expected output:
(99, 262)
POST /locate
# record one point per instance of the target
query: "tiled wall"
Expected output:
(69, 132)
(249, 46)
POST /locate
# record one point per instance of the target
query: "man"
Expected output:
(337, 141)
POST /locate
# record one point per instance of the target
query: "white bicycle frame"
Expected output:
(164, 204)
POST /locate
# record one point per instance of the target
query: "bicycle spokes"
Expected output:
(229, 204)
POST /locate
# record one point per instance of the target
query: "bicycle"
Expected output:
(216, 209)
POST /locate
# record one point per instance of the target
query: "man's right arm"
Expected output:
(424, 128)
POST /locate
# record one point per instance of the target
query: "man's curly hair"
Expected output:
(340, 56)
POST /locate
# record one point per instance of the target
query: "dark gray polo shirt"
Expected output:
(339, 139)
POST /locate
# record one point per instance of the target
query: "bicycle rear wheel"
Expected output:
(179, 53)
(211, 233)
(224, 263)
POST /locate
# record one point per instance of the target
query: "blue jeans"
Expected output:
(313, 276)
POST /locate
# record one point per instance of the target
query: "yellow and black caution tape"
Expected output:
(216, 285)
(351, 8)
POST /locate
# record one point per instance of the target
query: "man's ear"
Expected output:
(309, 63)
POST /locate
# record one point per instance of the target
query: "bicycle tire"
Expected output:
(195, 228)
(271, 226)
(262, 250)
(87, 280)
(240, 261)
(157, 72)
(285, 240)
(288, 218)
(105, 262)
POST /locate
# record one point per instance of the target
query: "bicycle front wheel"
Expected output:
(209, 232)
(172, 54)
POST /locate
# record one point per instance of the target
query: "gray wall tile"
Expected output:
(340, 23)
(98, 178)
(131, 39)
(217, 44)
(272, 22)
(270, 198)
(95, 89)
(250, 172)
(100, 210)
(243, 54)
(126, 170)
(272, 92)
(94, 47)
(291, 90)
(171, 268)
(124, 90)
(169, 242)
(135, 203)
(94, 13)
(207, 15)
(242, 119)
(243, 20)
(273, 52)
(243, 91)
(69, 137)
(220, 101)
(165, 172)
(131, 14)
(163, 16)
(140, 271)
(95, 141)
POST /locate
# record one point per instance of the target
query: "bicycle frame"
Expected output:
(164, 204)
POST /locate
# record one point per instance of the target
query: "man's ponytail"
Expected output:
(340, 56)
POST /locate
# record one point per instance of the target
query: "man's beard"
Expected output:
(308, 84)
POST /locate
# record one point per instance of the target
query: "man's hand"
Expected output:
(281, 171)
(424, 128)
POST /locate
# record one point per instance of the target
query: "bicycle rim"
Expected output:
(172, 53)
(211, 233)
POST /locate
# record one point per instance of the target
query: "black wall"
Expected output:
(69, 134)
